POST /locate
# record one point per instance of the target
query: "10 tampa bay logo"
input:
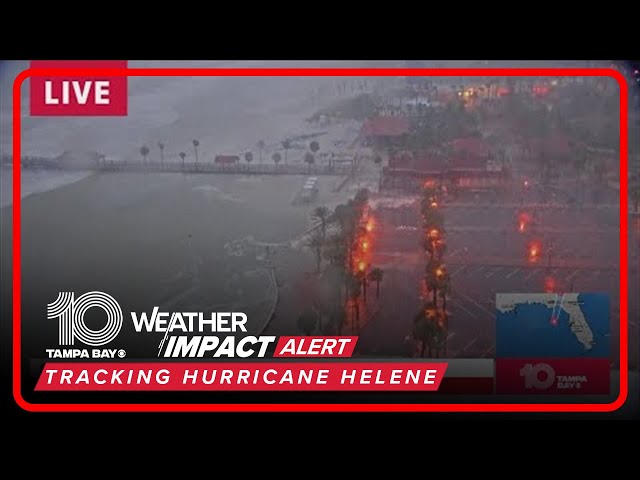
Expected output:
(70, 312)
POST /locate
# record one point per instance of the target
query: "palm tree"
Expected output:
(260, 146)
(433, 220)
(354, 287)
(424, 331)
(248, 157)
(322, 214)
(432, 278)
(336, 251)
(376, 275)
(196, 144)
(314, 147)
(182, 157)
(444, 286)
(286, 144)
(144, 151)
(362, 276)
(309, 159)
(161, 147)
(307, 322)
(439, 340)
(316, 242)
(343, 214)
(276, 157)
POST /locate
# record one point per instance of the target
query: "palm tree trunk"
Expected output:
(318, 260)
(446, 332)
(435, 297)
(422, 348)
(378, 289)
(364, 289)
(357, 317)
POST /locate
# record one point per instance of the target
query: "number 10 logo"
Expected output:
(70, 312)
(539, 376)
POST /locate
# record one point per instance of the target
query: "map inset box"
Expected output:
(552, 343)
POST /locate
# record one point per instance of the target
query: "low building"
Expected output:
(385, 131)
(471, 148)
(226, 159)
(465, 165)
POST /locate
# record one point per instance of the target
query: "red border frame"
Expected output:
(282, 72)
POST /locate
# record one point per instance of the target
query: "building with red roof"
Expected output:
(384, 131)
(474, 147)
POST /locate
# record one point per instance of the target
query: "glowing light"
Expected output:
(439, 272)
(526, 183)
(434, 233)
(434, 204)
(365, 245)
(524, 219)
(554, 321)
(362, 266)
(550, 287)
(369, 226)
(534, 251)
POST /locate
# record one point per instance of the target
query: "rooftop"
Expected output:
(386, 126)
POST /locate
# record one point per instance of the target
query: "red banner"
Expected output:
(264, 376)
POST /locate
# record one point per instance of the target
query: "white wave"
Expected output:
(35, 181)
(212, 193)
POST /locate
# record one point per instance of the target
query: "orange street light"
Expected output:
(365, 245)
(439, 272)
(521, 227)
(362, 266)
(434, 204)
(434, 233)
(369, 226)
(534, 252)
